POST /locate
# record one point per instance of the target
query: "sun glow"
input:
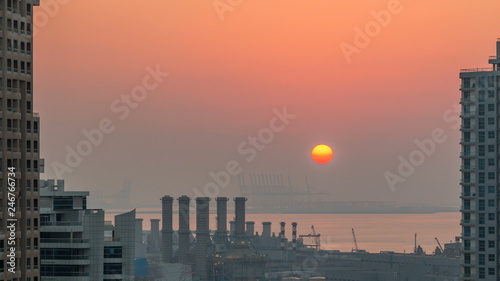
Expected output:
(322, 154)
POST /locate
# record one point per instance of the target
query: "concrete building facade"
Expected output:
(19, 144)
(480, 171)
(77, 244)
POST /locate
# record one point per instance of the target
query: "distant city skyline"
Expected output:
(226, 77)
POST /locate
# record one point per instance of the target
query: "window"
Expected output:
(491, 203)
(481, 96)
(481, 82)
(466, 163)
(491, 257)
(491, 230)
(481, 163)
(482, 148)
(491, 81)
(481, 123)
(466, 177)
(482, 232)
(482, 191)
(466, 82)
(491, 189)
(491, 175)
(482, 205)
(482, 273)
(112, 268)
(467, 231)
(467, 258)
(482, 218)
(466, 123)
(482, 245)
(491, 107)
(491, 271)
(466, 245)
(491, 216)
(491, 148)
(491, 244)
(466, 136)
(491, 94)
(482, 259)
(63, 203)
(481, 177)
(112, 252)
(491, 134)
(469, 109)
(481, 109)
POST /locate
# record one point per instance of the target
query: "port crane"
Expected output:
(356, 249)
(315, 236)
(439, 244)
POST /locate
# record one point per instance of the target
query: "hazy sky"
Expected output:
(230, 66)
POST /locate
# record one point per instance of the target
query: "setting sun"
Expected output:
(322, 154)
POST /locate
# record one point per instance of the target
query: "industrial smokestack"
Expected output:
(138, 231)
(294, 236)
(232, 228)
(202, 236)
(266, 229)
(250, 229)
(282, 235)
(222, 219)
(240, 216)
(155, 234)
(184, 231)
(167, 228)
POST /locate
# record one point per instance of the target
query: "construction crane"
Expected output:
(315, 236)
(439, 244)
(356, 249)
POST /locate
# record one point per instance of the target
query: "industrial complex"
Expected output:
(242, 253)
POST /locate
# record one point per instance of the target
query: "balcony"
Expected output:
(468, 114)
(467, 195)
(64, 243)
(468, 249)
(468, 128)
(468, 140)
(468, 209)
(494, 60)
(468, 100)
(61, 226)
(60, 223)
(468, 155)
(469, 70)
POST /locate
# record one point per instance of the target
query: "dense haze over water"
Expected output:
(374, 232)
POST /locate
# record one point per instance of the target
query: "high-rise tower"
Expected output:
(19, 144)
(480, 171)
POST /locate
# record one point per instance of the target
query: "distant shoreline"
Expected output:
(402, 211)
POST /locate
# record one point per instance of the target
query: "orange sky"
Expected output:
(227, 75)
